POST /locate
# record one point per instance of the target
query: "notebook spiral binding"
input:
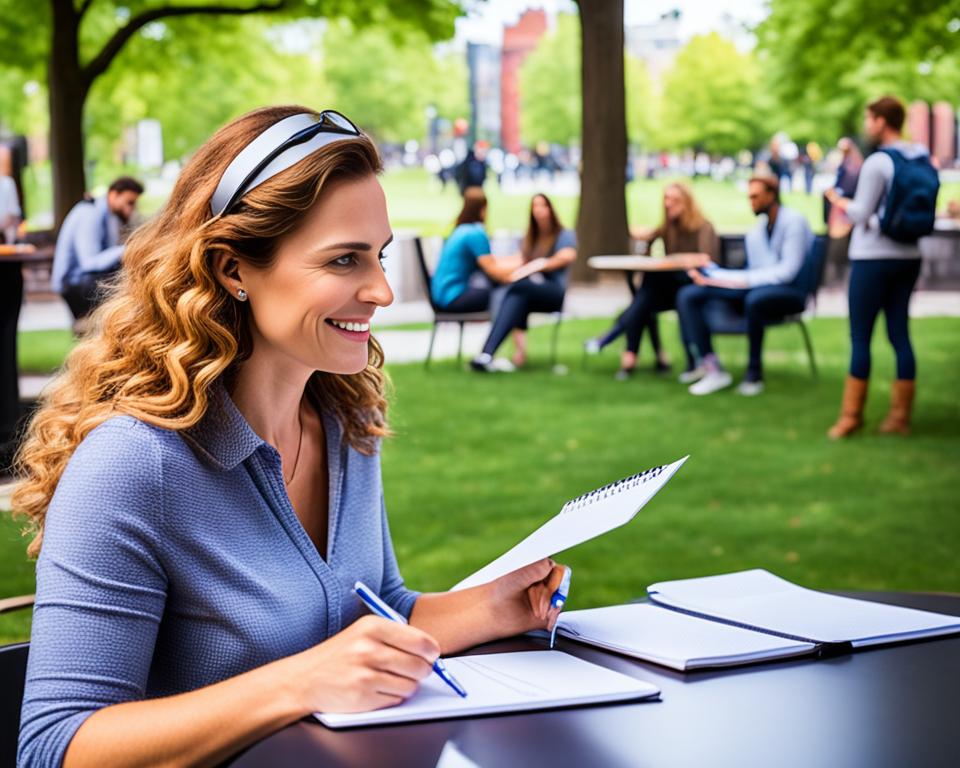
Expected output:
(612, 489)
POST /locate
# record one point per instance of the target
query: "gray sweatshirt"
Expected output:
(866, 208)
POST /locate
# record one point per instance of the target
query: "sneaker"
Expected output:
(592, 347)
(750, 388)
(483, 363)
(502, 365)
(694, 374)
(712, 382)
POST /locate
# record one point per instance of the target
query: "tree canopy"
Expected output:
(824, 59)
(385, 82)
(711, 98)
(550, 86)
(550, 91)
(72, 46)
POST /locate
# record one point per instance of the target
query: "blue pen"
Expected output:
(375, 604)
(559, 599)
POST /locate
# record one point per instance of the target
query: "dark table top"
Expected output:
(892, 706)
(17, 255)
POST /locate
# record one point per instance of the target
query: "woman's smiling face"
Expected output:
(312, 307)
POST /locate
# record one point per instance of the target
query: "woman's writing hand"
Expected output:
(371, 664)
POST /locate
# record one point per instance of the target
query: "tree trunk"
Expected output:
(602, 222)
(68, 90)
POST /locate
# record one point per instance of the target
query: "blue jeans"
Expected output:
(522, 298)
(760, 307)
(657, 293)
(471, 300)
(885, 284)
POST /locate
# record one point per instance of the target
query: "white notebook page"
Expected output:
(504, 682)
(580, 520)
(758, 598)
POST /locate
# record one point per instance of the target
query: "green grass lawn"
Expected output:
(42, 352)
(478, 461)
(416, 202)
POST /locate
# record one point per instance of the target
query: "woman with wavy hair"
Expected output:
(684, 231)
(203, 479)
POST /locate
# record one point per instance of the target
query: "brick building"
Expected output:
(518, 41)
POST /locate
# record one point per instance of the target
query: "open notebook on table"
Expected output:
(739, 618)
(505, 682)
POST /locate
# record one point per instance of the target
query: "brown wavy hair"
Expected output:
(169, 331)
(692, 218)
(536, 243)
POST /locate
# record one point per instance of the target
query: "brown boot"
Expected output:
(851, 410)
(901, 403)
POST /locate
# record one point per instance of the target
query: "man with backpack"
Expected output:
(894, 205)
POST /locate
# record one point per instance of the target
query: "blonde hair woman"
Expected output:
(683, 230)
(204, 481)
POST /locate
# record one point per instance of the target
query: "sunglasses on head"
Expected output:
(281, 146)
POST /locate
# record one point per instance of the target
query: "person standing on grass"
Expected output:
(894, 204)
(203, 478)
(684, 230)
(458, 284)
(839, 226)
(776, 249)
(537, 278)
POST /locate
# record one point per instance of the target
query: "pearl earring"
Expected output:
(242, 295)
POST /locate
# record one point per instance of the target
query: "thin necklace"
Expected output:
(296, 461)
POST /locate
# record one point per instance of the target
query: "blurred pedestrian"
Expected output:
(894, 204)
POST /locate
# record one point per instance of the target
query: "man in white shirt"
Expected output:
(88, 252)
(763, 291)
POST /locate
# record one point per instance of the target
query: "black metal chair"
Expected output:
(13, 673)
(724, 320)
(439, 315)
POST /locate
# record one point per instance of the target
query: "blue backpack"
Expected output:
(911, 205)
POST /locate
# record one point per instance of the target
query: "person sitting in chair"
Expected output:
(776, 249)
(458, 285)
(684, 230)
(89, 252)
(537, 278)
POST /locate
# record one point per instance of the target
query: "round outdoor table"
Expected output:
(894, 706)
(632, 264)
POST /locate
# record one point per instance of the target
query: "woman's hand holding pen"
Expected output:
(521, 599)
(371, 664)
(515, 603)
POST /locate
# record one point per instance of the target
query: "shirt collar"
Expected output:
(222, 437)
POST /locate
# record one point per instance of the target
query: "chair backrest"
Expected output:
(13, 674)
(810, 276)
(733, 251)
(424, 270)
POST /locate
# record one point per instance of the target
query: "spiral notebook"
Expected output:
(580, 520)
(746, 617)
